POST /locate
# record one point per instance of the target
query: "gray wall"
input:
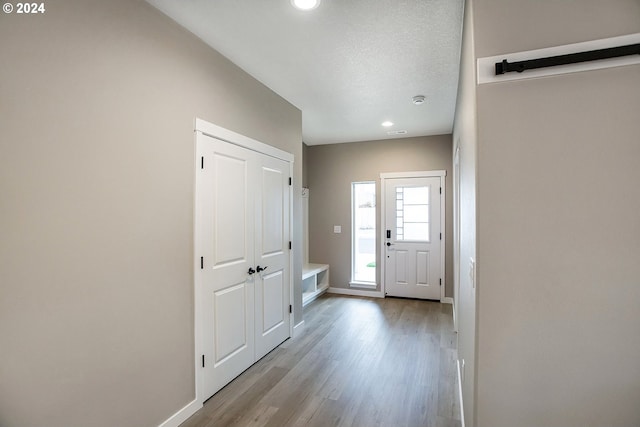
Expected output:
(332, 169)
(98, 100)
(465, 139)
(305, 165)
(557, 225)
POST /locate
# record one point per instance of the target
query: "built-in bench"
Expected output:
(315, 281)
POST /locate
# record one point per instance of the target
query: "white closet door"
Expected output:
(243, 278)
(226, 198)
(272, 255)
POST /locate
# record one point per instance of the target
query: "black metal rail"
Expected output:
(571, 58)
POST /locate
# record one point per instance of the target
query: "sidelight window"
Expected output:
(363, 260)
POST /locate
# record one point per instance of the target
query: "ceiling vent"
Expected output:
(397, 132)
(419, 99)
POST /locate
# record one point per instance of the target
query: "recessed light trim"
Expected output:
(305, 4)
(387, 124)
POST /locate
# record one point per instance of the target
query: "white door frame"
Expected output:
(456, 236)
(203, 127)
(419, 174)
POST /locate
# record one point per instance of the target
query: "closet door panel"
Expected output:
(272, 254)
(226, 227)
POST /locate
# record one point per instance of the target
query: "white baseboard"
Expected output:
(447, 300)
(182, 415)
(298, 329)
(355, 292)
(460, 393)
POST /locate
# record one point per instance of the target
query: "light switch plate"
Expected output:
(337, 229)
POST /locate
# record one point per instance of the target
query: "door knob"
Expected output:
(259, 269)
(251, 271)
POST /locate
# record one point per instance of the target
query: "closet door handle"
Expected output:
(259, 269)
(251, 271)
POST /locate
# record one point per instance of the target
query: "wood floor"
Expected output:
(358, 362)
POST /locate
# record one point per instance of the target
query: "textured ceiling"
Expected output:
(348, 65)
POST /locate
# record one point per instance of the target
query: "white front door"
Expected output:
(412, 237)
(272, 255)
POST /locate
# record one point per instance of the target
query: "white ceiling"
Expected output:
(348, 65)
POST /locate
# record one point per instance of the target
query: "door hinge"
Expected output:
(289, 180)
(201, 263)
(290, 309)
(440, 236)
(289, 244)
(202, 162)
(203, 360)
(440, 190)
(440, 282)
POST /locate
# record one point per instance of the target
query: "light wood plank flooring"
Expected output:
(359, 362)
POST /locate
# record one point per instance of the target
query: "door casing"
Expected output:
(417, 174)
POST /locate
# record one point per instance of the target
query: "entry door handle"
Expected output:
(251, 271)
(259, 269)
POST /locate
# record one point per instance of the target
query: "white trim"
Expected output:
(383, 208)
(460, 394)
(443, 220)
(355, 292)
(456, 234)
(232, 137)
(443, 229)
(363, 285)
(291, 270)
(183, 414)
(447, 300)
(486, 66)
(198, 296)
(413, 174)
(298, 329)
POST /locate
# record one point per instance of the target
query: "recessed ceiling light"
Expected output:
(418, 99)
(387, 124)
(305, 4)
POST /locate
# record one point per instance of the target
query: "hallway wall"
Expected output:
(558, 231)
(97, 108)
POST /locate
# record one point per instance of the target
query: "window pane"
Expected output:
(364, 231)
(416, 213)
(412, 213)
(416, 231)
(416, 195)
